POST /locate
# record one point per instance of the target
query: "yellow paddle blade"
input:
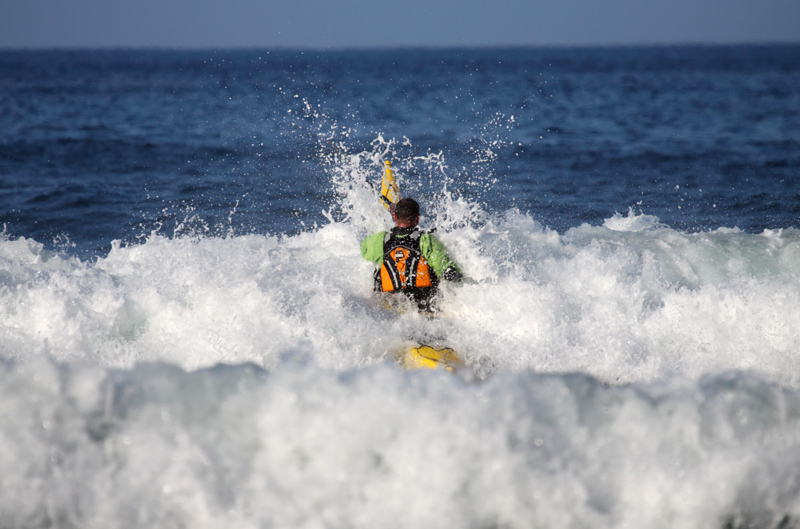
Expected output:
(390, 192)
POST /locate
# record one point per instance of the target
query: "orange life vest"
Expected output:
(404, 267)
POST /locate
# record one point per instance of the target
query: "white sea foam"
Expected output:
(302, 446)
(624, 306)
(623, 375)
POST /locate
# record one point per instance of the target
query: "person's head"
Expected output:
(406, 213)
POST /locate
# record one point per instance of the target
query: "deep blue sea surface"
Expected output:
(103, 145)
(188, 333)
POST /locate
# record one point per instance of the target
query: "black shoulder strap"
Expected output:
(396, 238)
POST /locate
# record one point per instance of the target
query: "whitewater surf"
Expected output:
(189, 336)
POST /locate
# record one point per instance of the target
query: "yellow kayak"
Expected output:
(427, 357)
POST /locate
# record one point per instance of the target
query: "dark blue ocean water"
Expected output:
(104, 145)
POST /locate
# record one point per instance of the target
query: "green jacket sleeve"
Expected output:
(436, 254)
(372, 247)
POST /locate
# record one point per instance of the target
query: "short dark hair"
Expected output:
(407, 209)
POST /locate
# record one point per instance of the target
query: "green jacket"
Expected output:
(432, 250)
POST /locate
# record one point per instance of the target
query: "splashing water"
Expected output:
(619, 375)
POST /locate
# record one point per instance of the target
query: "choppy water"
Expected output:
(187, 332)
